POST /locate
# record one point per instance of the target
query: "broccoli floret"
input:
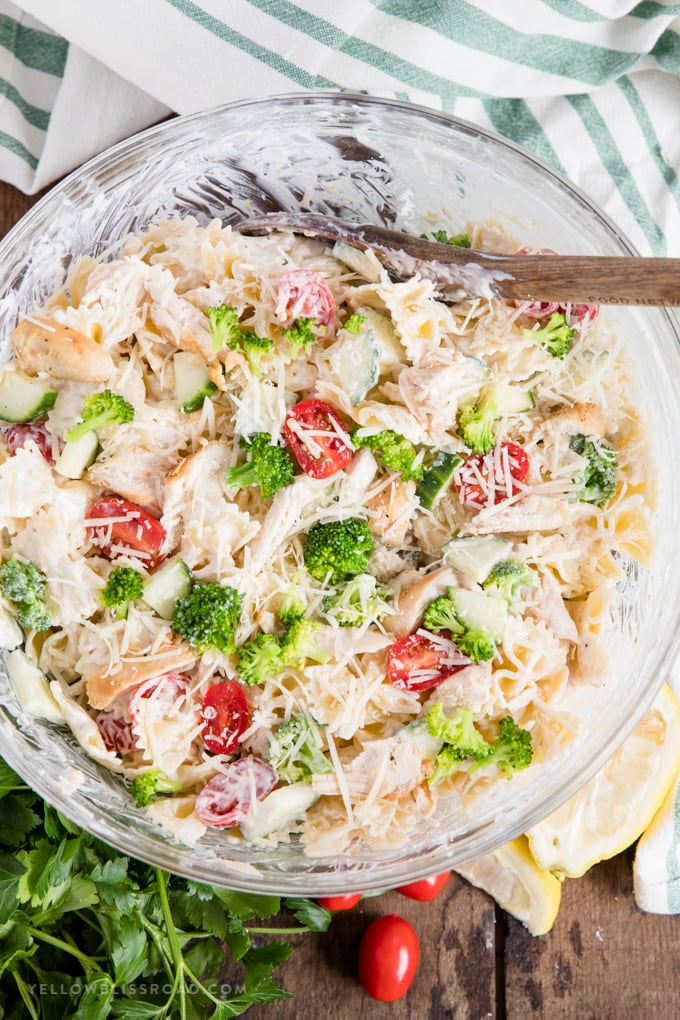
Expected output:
(105, 408)
(511, 751)
(462, 740)
(259, 659)
(440, 615)
(298, 643)
(597, 483)
(508, 580)
(207, 616)
(123, 585)
(293, 607)
(300, 335)
(477, 425)
(152, 784)
(460, 240)
(478, 645)
(226, 331)
(225, 328)
(338, 549)
(294, 751)
(269, 466)
(354, 323)
(24, 584)
(357, 601)
(556, 337)
(396, 452)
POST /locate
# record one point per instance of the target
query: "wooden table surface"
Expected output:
(603, 960)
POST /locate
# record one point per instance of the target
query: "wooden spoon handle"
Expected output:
(459, 272)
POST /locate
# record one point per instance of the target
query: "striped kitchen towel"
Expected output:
(591, 86)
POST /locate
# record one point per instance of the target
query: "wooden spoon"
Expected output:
(463, 272)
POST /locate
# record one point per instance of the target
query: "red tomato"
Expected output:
(129, 530)
(225, 716)
(116, 733)
(304, 294)
(389, 954)
(584, 315)
(576, 314)
(345, 902)
(425, 889)
(17, 436)
(166, 689)
(422, 660)
(318, 438)
(227, 798)
(483, 480)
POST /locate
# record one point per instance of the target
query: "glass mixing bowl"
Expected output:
(387, 162)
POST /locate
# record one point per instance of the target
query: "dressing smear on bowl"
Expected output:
(301, 552)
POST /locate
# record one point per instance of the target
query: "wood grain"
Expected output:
(604, 959)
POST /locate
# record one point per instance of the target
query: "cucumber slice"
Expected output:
(418, 735)
(357, 260)
(385, 337)
(23, 398)
(11, 634)
(477, 611)
(475, 555)
(508, 399)
(280, 809)
(192, 382)
(165, 586)
(77, 456)
(356, 363)
(437, 478)
(31, 687)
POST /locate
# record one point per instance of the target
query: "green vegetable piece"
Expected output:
(478, 645)
(441, 615)
(597, 483)
(556, 337)
(299, 643)
(99, 409)
(270, 466)
(359, 600)
(207, 616)
(259, 659)
(300, 336)
(152, 784)
(224, 327)
(511, 751)
(459, 240)
(437, 478)
(24, 398)
(336, 550)
(354, 323)
(295, 752)
(24, 585)
(396, 452)
(462, 740)
(509, 579)
(124, 584)
(477, 422)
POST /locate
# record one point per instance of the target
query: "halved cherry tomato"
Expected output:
(225, 716)
(421, 660)
(129, 530)
(166, 690)
(17, 436)
(584, 315)
(345, 902)
(318, 438)
(227, 798)
(116, 733)
(304, 294)
(425, 889)
(389, 954)
(483, 480)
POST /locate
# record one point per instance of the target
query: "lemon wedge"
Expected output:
(511, 875)
(619, 802)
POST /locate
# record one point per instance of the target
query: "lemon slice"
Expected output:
(511, 875)
(619, 802)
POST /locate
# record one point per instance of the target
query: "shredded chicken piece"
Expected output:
(44, 345)
(105, 686)
(530, 514)
(414, 600)
(583, 417)
(551, 609)
(391, 511)
(384, 769)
